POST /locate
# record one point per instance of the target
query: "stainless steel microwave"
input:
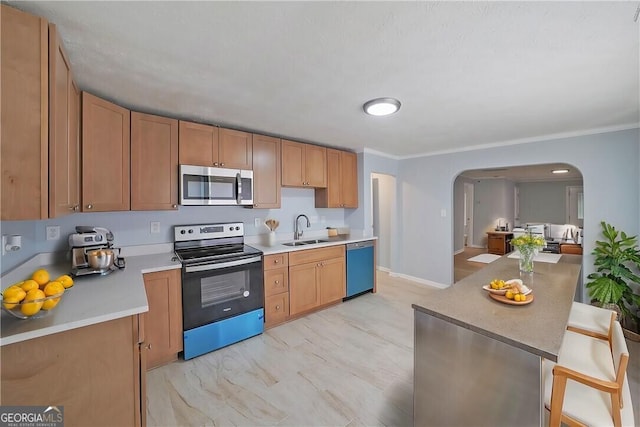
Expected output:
(201, 185)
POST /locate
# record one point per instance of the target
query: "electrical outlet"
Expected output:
(443, 213)
(155, 226)
(257, 222)
(53, 232)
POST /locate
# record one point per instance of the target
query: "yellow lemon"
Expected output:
(509, 295)
(28, 285)
(14, 293)
(32, 303)
(14, 286)
(10, 302)
(50, 303)
(53, 288)
(66, 281)
(41, 276)
(516, 297)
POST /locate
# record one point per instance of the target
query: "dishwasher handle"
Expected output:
(360, 245)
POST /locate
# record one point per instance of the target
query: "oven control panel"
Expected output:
(208, 231)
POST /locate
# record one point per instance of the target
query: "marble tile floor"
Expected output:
(348, 365)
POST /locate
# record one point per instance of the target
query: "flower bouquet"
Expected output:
(528, 245)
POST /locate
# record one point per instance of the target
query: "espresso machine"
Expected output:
(92, 251)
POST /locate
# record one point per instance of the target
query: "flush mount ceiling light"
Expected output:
(381, 106)
(560, 171)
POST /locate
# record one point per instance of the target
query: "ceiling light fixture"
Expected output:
(381, 106)
(560, 171)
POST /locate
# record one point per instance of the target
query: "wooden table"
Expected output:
(478, 361)
(498, 242)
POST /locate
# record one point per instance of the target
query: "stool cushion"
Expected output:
(590, 318)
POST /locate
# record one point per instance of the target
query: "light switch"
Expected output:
(53, 232)
(155, 226)
(443, 213)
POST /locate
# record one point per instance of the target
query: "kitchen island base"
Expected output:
(463, 378)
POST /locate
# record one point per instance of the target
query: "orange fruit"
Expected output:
(31, 304)
(28, 285)
(50, 303)
(53, 288)
(66, 281)
(14, 292)
(41, 276)
(10, 302)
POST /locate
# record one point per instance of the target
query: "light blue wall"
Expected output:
(544, 201)
(133, 227)
(611, 177)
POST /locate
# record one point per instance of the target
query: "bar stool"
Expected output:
(591, 320)
(588, 385)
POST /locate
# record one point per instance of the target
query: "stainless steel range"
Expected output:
(222, 286)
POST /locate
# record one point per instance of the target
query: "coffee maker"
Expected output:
(88, 241)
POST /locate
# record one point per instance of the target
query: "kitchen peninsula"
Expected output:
(474, 355)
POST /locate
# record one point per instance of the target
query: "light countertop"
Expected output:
(279, 247)
(537, 327)
(92, 299)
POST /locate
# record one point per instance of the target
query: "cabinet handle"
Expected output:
(148, 346)
(255, 206)
(89, 206)
(277, 282)
(174, 206)
(277, 307)
(221, 164)
(215, 163)
(276, 261)
(318, 265)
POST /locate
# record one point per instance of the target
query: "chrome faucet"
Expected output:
(297, 232)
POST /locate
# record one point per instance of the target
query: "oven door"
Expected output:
(213, 292)
(201, 185)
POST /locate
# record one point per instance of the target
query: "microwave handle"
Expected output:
(238, 188)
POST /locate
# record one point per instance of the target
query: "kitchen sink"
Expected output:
(305, 242)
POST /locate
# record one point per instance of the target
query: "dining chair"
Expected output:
(588, 385)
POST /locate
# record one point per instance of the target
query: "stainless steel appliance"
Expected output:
(201, 185)
(92, 251)
(222, 286)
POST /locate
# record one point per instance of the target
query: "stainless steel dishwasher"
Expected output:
(360, 267)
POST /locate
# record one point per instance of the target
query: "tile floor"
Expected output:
(349, 365)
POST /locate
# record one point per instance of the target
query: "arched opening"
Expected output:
(491, 203)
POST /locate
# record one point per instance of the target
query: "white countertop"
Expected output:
(91, 300)
(280, 247)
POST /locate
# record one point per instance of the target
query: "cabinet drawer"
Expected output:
(276, 308)
(276, 261)
(315, 255)
(276, 281)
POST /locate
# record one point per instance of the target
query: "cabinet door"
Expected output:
(304, 288)
(349, 178)
(198, 144)
(266, 172)
(315, 166)
(62, 148)
(276, 309)
(74, 147)
(293, 174)
(332, 280)
(495, 244)
(235, 150)
(105, 155)
(154, 162)
(24, 116)
(331, 196)
(163, 321)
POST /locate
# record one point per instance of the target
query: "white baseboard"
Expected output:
(477, 246)
(458, 252)
(419, 280)
(384, 269)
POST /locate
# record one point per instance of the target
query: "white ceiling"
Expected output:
(468, 74)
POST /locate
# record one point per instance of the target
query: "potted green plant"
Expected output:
(617, 259)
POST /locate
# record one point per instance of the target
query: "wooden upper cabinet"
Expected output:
(198, 144)
(235, 151)
(24, 116)
(342, 181)
(105, 155)
(64, 132)
(266, 172)
(206, 145)
(303, 165)
(154, 162)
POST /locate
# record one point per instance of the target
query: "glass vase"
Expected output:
(526, 258)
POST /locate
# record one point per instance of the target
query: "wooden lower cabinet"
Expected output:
(163, 321)
(276, 289)
(498, 243)
(96, 372)
(316, 277)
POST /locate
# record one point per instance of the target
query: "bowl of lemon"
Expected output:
(35, 297)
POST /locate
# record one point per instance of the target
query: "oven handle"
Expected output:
(195, 268)
(239, 188)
